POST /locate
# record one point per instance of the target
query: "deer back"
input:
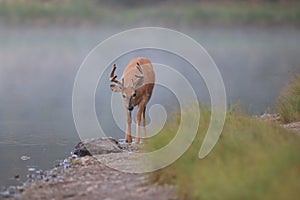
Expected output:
(130, 72)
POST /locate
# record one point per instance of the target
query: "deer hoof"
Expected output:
(128, 139)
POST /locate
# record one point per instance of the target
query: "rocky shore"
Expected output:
(83, 176)
(275, 118)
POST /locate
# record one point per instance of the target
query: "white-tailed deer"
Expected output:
(136, 87)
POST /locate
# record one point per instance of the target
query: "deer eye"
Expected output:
(134, 95)
(123, 96)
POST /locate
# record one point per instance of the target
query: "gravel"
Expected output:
(89, 178)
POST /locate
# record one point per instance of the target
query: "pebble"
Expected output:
(5, 194)
(25, 158)
(74, 155)
(69, 195)
(20, 188)
(89, 189)
(31, 169)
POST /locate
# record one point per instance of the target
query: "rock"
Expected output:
(25, 158)
(275, 117)
(295, 126)
(69, 195)
(97, 146)
(5, 194)
(80, 150)
(31, 169)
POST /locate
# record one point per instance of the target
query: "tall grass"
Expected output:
(252, 160)
(288, 103)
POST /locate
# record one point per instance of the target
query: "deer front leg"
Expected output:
(128, 127)
(138, 122)
(144, 123)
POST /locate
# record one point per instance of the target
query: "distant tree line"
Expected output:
(129, 3)
(155, 2)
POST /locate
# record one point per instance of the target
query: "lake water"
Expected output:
(38, 66)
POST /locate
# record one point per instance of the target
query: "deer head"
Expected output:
(130, 91)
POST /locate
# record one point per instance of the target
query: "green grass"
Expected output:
(191, 14)
(288, 103)
(252, 160)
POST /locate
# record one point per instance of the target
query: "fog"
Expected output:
(38, 68)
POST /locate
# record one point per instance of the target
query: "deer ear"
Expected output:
(115, 88)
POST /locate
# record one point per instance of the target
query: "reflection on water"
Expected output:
(38, 67)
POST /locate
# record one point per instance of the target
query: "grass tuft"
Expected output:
(288, 103)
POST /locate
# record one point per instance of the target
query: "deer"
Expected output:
(136, 86)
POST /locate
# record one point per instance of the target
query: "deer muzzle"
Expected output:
(130, 107)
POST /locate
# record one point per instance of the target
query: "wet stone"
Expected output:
(97, 146)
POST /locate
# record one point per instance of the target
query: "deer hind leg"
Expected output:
(138, 124)
(128, 127)
(144, 123)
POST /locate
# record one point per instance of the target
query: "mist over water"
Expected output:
(38, 67)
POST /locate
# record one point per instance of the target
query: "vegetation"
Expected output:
(159, 12)
(288, 103)
(252, 160)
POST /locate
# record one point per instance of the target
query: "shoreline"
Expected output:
(87, 177)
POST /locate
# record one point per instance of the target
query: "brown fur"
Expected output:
(136, 92)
